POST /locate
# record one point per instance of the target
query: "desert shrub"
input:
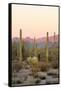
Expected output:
(16, 66)
(29, 60)
(18, 82)
(37, 81)
(44, 66)
(53, 54)
(54, 64)
(15, 50)
(33, 62)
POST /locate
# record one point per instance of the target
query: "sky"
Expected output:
(34, 21)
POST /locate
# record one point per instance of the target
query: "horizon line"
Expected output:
(34, 37)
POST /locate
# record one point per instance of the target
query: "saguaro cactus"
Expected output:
(35, 47)
(20, 45)
(47, 48)
(54, 38)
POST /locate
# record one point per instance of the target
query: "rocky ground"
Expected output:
(25, 77)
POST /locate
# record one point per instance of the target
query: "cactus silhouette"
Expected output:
(54, 38)
(35, 47)
(47, 47)
(20, 45)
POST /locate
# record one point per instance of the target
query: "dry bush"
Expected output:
(44, 66)
(54, 64)
(16, 66)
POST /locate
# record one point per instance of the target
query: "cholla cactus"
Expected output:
(29, 59)
(34, 60)
(20, 45)
(34, 64)
(47, 48)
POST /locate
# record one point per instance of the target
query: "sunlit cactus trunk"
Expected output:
(47, 47)
(20, 45)
(35, 47)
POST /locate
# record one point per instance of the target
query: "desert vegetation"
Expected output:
(34, 65)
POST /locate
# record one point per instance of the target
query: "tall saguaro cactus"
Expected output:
(54, 38)
(20, 45)
(35, 47)
(47, 47)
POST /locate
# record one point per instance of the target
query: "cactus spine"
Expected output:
(20, 45)
(47, 48)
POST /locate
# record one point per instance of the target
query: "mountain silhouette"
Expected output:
(41, 42)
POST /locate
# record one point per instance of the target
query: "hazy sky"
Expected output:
(34, 20)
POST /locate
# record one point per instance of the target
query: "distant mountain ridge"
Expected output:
(43, 39)
(41, 42)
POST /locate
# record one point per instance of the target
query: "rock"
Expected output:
(52, 81)
(48, 77)
(27, 67)
(24, 72)
(42, 75)
(37, 80)
(17, 80)
(43, 81)
(29, 81)
(21, 76)
(14, 74)
(53, 72)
